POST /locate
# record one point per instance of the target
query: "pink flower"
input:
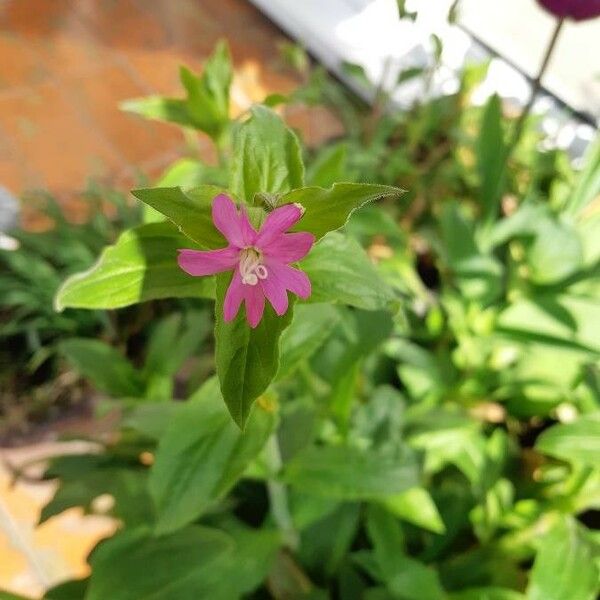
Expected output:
(260, 260)
(579, 10)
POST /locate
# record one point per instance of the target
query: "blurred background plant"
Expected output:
(37, 385)
(32, 382)
(437, 426)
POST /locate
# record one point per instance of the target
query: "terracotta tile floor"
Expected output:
(66, 64)
(64, 67)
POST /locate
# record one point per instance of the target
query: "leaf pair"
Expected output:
(206, 106)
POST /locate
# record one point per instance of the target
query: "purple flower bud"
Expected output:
(579, 10)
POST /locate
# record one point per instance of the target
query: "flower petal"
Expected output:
(199, 263)
(278, 221)
(289, 247)
(255, 304)
(274, 290)
(248, 232)
(229, 222)
(293, 279)
(233, 297)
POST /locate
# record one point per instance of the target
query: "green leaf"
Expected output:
(351, 474)
(360, 333)
(266, 157)
(489, 515)
(555, 252)
(491, 158)
(477, 275)
(340, 272)
(416, 506)
(201, 455)
(413, 580)
(357, 73)
(328, 209)
(207, 104)
(158, 108)
(135, 565)
(409, 74)
(577, 442)
(405, 577)
(84, 478)
(322, 552)
(188, 173)
(311, 326)
(69, 590)
(564, 319)
(190, 211)
(248, 565)
(173, 340)
(564, 567)
(487, 593)
(9, 596)
(386, 535)
(449, 438)
(328, 166)
(106, 368)
(403, 13)
(141, 266)
(553, 247)
(247, 359)
(151, 419)
(422, 372)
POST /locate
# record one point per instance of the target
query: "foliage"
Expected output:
(425, 427)
(30, 329)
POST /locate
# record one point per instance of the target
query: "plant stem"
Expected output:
(535, 87)
(278, 496)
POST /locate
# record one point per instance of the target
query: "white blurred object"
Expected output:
(8, 243)
(370, 34)
(9, 210)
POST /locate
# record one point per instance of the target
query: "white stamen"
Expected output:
(261, 271)
(251, 268)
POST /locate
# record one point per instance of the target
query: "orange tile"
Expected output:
(315, 124)
(137, 139)
(37, 18)
(71, 52)
(186, 24)
(78, 58)
(15, 175)
(122, 24)
(236, 16)
(47, 131)
(56, 33)
(158, 70)
(19, 66)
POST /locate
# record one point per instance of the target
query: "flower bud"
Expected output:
(578, 10)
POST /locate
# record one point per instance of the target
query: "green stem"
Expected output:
(579, 480)
(520, 124)
(535, 88)
(278, 496)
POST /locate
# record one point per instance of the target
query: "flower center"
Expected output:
(251, 267)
